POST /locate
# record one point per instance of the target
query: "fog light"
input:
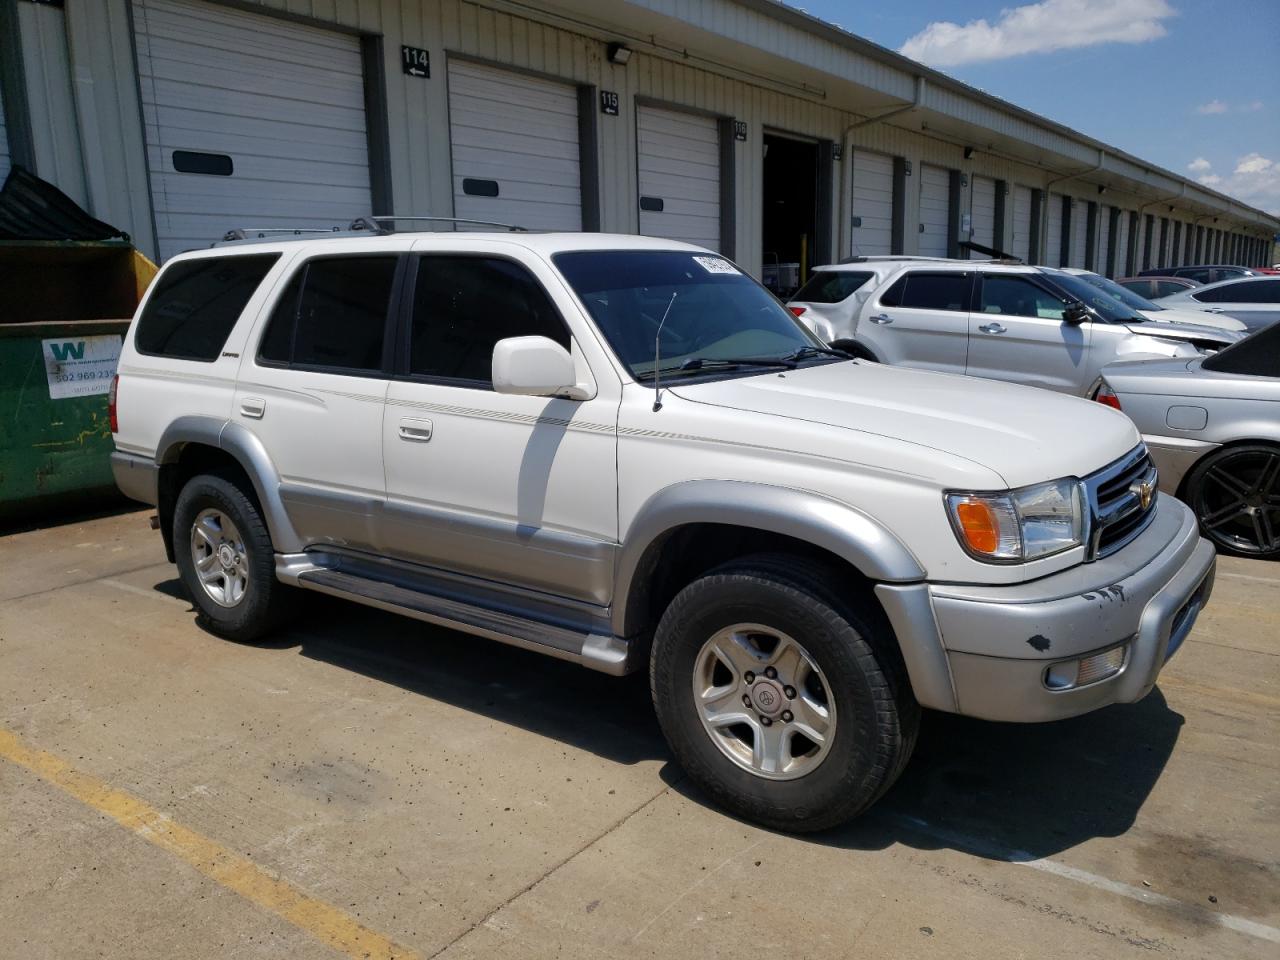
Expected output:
(1077, 673)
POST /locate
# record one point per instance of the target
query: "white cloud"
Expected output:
(1255, 181)
(1254, 163)
(1199, 165)
(1039, 28)
(1213, 106)
(1253, 107)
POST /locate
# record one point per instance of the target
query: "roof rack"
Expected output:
(359, 227)
(379, 224)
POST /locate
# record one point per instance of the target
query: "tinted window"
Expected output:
(1165, 289)
(1198, 274)
(831, 286)
(1258, 355)
(932, 291)
(196, 303)
(333, 315)
(1143, 288)
(1019, 297)
(462, 306)
(1247, 291)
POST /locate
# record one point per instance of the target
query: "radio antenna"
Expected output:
(657, 356)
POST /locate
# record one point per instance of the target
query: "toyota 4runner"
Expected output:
(626, 453)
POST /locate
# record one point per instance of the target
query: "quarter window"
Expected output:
(1018, 297)
(196, 303)
(930, 291)
(462, 307)
(332, 316)
(1250, 291)
(831, 286)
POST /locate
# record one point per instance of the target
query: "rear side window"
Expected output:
(1249, 291)
(196, 303)
(1163, 288)
(930, 291)
(332, 316)
(462, 306)
(831, 286)
(1198, 274)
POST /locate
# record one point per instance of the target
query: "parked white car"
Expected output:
(1155, 311)
(624, 452)
(1002, 321)
(1255, 301)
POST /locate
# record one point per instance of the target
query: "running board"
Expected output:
(589, 648)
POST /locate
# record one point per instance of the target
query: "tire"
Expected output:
(247, 601)
(874, 718)
(1235, 493)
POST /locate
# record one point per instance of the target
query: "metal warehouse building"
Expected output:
(742, 125)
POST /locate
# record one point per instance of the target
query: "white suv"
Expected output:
(1004, 321)
(624, 452)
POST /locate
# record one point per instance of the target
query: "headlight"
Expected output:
(1019, 525)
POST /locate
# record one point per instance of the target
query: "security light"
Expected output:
(619, 54)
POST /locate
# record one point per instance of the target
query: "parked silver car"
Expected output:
(1155, 311)
(1004, 321)
(1255, 301)
(1213, 428)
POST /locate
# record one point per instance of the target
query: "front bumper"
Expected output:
(985, 651)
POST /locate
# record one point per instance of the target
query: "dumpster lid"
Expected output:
(33, 209)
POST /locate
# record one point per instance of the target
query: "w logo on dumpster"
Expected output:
(62, 352)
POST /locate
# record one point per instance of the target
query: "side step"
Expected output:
(425, 600)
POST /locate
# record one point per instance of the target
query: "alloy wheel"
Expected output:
(219, 556)
(1238, 500)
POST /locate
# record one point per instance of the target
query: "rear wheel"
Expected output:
(226, 560)
(1235, 493)
(785, 704)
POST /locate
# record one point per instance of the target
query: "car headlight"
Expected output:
(1018, 525)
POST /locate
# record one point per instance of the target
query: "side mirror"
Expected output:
(534, 367)
(1076, 313)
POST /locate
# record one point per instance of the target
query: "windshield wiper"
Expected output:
(700, 363)
(804, 353)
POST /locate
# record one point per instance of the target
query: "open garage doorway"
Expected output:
(793, 235)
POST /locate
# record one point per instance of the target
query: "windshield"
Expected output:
(1106, 306)
(715, 315)
(1127, 297)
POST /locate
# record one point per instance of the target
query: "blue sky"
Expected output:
(1191, 85)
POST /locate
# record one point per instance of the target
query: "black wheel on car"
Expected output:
(786, 704)
(226, 560)
(1235, 493)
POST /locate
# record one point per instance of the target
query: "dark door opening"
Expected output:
(790, 219)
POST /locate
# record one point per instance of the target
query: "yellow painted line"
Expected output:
(321, 920)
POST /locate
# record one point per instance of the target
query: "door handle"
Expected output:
(1213, 310)
(418, 431)
(991, 328)
(253, 407)
(881, 318)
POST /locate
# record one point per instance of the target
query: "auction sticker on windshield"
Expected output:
(80, 366)
(716, 265)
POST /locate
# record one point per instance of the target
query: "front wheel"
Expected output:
(1235, 493)
(785, 704)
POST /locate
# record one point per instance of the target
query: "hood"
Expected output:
(1197, 317)
(1198, 335)
(1026, 435)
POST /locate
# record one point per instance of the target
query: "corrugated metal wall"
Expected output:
(100, 75)
(55, 140)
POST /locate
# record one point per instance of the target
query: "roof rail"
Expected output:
(263, 233)
(379, 224)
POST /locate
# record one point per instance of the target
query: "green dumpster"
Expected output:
(64, 308)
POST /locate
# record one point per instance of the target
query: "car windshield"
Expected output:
(1255, 356)
(711, 315)
(1103, 304)
(1127, 297)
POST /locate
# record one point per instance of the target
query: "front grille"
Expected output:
(1116, 512)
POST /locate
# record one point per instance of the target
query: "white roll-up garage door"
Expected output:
(1122, 245)
(1153, 256)
(1103, 244)
(515, 152)
(4, 146)
(1021, 246)
(872, 204)
(678, 164)
(1079, 233)
(934, 191)
(251, 121)
(982, 213)
(1052, 256)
